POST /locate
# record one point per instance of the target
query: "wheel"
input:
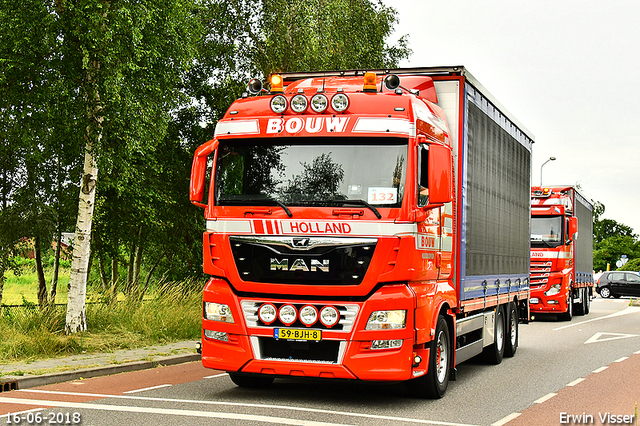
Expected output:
(587, 301)
(567, 316)
(511, 341)
(605, 292)
(251, 381)
(493, 353)
(434, 383)
(579, 307)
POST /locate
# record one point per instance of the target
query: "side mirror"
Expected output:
(440, 175)
(572, 234)
(198, 172)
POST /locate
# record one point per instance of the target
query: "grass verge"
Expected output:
(173, 313)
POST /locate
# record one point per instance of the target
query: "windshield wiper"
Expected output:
(358, 202)
(259, 202)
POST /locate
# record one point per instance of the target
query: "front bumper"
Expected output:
(343, 351)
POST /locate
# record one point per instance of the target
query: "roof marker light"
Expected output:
(369, 82)
(277, 83)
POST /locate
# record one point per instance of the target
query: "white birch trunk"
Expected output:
(76, 316)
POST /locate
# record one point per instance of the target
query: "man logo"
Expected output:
(300, 242)
(299, 265)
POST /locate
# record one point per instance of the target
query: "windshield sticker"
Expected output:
(382, 195)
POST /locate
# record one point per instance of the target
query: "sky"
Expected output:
(566, 69)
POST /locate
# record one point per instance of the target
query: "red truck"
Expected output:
(364, 225)
(561, 251)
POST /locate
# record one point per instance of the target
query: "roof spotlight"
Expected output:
(392, 82)
(255, 86)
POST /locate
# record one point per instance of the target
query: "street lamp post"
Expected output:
(550, 159)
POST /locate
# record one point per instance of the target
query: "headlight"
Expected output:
(217, 312)
(555, 289)
(383, 320)
(278, 104)
(339, 102)
(299, 103)
(319, 102)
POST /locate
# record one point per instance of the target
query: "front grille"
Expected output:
(298, 260)
(348, 313)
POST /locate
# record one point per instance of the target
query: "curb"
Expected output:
(27, 382)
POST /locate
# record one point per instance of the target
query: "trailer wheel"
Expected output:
(434, 383)
(250, 380)
(511, 344)
(493, 353)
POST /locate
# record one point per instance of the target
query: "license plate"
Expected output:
(297, 334)
(533, 300)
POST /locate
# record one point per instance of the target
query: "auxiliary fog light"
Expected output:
(216, 335)
(383, 320)
(555, 289)
(217, 312)
(267, 313)
(287, 314)
(308, 315)
(386, 344)
(329, 316)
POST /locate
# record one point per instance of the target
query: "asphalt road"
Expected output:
(561, 367)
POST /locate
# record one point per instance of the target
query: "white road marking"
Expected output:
(166, 411)
(597, 338)
(601, 369)
(629, 310)
(545, 398)
(242, 404)
(575, 382)
(621, 359)
(506, 419)
(146, 389)
(216, 375)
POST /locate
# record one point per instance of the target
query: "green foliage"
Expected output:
(141, 84)
(631, 265)
(611, 240)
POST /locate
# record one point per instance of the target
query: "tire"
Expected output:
(587, 302)
(434, 384)
(579, 307)
(605, 292)
(251, 381)
(567, 316)
(494, 353)
(511, 341)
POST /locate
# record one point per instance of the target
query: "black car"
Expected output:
(618, 283)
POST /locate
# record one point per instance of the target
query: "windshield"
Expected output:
(312, 171)
(546, 231)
